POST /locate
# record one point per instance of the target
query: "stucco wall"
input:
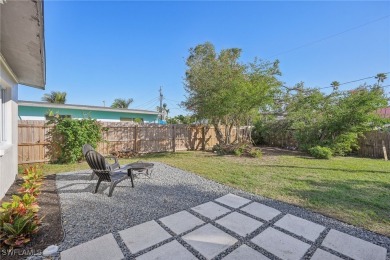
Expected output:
(38, 113)
(9, 149)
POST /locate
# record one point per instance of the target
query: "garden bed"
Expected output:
(50, 232)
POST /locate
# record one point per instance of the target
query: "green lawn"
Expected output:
(354, 190)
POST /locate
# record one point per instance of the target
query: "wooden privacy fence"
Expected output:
(372, 145)
(34, 142)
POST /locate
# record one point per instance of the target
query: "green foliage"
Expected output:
(19, 218)
(69, 135)
(320, 152)
(239, 149)
(32, 181)
(255, 153)
(335, 120)
(55, 97)
(225, 91)
(180, 119)
(122, 103)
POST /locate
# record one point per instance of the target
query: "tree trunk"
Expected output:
(218, 133)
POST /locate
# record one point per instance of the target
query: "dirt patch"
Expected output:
(51, 232)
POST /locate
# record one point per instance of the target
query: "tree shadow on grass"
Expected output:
(369, 198)
(322, 168)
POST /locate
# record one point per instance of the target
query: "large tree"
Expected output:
(224, 90)
(122, 103)
(55, 97)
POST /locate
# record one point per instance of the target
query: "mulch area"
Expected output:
(50, 232)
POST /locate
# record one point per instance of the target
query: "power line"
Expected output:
(354, 81)
(147, 102)
(329, 36)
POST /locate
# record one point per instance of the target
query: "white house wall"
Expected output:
(9, 149)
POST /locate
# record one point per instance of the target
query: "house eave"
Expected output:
(22, 42)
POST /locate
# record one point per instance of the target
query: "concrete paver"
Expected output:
(209, 240)
(280, 244)
(261, 211)
(211, 210)
(143, 236)
(181, 222)
(245, 252)
(301, 227)
(353, 247)
(320, 254)
(102, 248)
(239, 223)
(171, 250)
(232, 200)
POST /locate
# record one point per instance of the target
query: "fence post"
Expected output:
(174, 138)
(203, 138)
(135, 138)
(384, 150)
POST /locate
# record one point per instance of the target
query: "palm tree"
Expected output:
(381, 77)
(335, 85)
(122, 103)
(57, 97)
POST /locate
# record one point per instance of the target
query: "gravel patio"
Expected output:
(152, 204)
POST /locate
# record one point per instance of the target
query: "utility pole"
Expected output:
(161, 100)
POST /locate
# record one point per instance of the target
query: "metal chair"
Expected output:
(87, 147)
(97, 162)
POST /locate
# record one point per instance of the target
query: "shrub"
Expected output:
(32, 180)
(242, 149)
(19, 218)
(255, 153)
(69, 135)
(320, 152)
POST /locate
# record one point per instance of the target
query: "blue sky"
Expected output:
(104, 50)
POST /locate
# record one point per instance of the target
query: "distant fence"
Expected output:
(372, 145)
(34, 142)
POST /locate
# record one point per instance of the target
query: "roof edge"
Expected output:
(85, 107)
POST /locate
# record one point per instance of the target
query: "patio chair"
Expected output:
(97, 162)
(87, 147)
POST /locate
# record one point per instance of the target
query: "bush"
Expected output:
(320, 152)
(242, 149)
(19, 218)
(69, 135)
(255, 153)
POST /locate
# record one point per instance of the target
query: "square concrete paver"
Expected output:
(239, 223)
(209, 240)
(143, 236)
(321, 255)
(353, 247)
(171, 250)
(301, 227)
(261, 211)
(211, 210)
(102, 248)
(232, 200)
(181, 222)
(244, 252)
(280, 244)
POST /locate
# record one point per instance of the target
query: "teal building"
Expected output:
(32, 110)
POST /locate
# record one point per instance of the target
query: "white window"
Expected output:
(2, 115)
